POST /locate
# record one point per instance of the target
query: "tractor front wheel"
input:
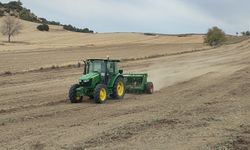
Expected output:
(100, 93)
(73, 96)
(119, 88)
(150, 88)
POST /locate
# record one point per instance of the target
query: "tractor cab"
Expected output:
(105, 67)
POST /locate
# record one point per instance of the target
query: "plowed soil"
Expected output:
(201, 99)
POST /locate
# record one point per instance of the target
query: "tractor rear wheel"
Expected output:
(72, 94)
(150, 88)
(119, 88)
(100, 93)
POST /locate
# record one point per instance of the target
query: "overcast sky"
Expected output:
(162, 16)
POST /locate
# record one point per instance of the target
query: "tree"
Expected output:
(72, 28)
(1, 13)
(247, 33)
(243, 33)
(25, 14)
(43, 27)
(215, 36)
(14, 5)
(11, 26)
(19, 2)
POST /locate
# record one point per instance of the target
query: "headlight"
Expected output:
(85, 83)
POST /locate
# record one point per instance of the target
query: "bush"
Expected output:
(43, 27)
(1, 13)
(248, 33)
(8, 73)
(72, 28)
(45, 21)
(14, 5)
(215, 36)
(55, 67)
(54, 23)
(150, 34)
(25, 14)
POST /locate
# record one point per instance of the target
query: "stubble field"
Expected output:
(201, 99)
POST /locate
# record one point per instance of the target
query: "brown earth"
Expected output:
(33, 49)
(201, 102)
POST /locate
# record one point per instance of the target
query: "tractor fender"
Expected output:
(113, 79)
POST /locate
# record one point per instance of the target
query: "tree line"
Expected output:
(15, 8)
(245, 33)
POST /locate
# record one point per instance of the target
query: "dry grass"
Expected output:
(61, 47)
(60, 38)
(236, 39)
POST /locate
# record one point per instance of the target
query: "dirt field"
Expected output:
(201, 102)
(33, 49)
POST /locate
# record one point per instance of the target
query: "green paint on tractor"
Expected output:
(102, 79)
(137, 83)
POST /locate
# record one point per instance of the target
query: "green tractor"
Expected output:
(102, 79)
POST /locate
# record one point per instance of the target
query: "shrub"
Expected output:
(55, 67)
(45, 21)
(72, 28)
(215, 36)
(68, 27)
(54, 23)
(150, 34)
(248, 33)
(25, 14)
(8, 73)
(1, 13)
(43, 27)
(14, 5)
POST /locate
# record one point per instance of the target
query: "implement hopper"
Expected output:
(137, 83)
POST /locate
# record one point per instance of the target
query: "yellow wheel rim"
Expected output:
(78, 98)
(103, 94)
(120, 88)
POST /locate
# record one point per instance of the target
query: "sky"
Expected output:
(154, 16)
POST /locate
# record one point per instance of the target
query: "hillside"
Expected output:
(62, 47)
(59, 47)
(16, 8)
(57, 37)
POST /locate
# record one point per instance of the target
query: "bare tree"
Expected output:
(11, 26)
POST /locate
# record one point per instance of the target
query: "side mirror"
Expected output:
(121, 71)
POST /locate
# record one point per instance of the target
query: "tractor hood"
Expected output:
(89, 76)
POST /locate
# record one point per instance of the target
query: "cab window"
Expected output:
(112, 67)
(98, 66)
